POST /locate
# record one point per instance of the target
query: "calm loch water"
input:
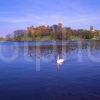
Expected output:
(29, 71)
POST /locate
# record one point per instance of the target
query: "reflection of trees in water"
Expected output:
(46, 51)
(30, 51)
(93, 45)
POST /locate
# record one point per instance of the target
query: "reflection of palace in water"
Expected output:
(47, 51)
(50, 53)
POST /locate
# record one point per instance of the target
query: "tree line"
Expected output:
(46, 33)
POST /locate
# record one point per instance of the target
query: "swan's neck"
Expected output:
(58, 57)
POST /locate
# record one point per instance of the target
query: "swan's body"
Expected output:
(60, 61)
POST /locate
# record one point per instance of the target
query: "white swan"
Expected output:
(60, 61)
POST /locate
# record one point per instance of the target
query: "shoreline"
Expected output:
(57, 40)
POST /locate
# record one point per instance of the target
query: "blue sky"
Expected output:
(18, 14)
